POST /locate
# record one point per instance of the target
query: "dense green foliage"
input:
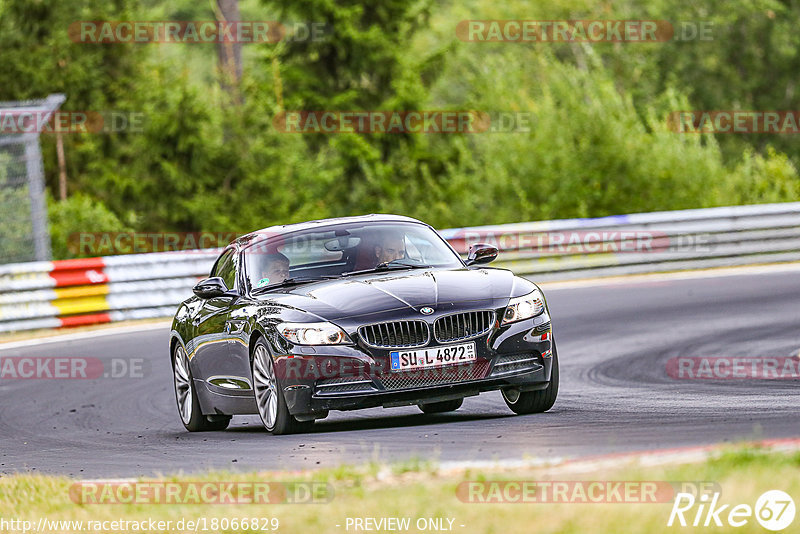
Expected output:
(598, 143)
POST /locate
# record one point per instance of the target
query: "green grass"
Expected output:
(418, 489)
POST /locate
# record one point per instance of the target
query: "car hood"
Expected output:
(371, 294)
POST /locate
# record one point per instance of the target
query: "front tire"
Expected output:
(528, 402)
(186, 397)
(441, 407)
(268, 391)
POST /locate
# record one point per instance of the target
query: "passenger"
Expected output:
(391, 247)
(274, 269)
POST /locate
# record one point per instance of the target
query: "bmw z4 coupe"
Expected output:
(356, 312)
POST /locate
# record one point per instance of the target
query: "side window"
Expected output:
(225, 268)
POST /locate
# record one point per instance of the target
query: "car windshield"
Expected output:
(343, 250)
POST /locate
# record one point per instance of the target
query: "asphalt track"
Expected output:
(613, 340)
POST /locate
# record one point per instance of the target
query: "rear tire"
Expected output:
(268, 392)
(186, 397)
(528, 402)
(440, 407)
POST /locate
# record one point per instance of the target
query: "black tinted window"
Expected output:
(225, 268)
(333, 250)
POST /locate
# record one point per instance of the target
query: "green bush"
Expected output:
(76, 215)
(16, 238)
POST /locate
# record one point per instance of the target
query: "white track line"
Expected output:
(718, 272)
(656, 457)
(77, 336)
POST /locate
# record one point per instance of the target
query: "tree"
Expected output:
(229, 54)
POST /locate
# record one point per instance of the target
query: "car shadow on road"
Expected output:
(381, 422)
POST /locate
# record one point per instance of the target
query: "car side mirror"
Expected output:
(481, 253)
(210, 288)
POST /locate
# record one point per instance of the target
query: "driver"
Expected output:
(274, 269)
(391, 247)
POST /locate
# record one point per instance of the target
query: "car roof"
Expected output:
(272, 231)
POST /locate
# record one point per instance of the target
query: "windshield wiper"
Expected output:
(295, 280)
(389, 266)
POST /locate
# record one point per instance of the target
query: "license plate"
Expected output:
(432, 356)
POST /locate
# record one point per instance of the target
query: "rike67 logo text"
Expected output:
(774, 510)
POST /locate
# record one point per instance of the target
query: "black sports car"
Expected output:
(356, 312)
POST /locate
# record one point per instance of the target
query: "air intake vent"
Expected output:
(397, 334)
(507, 363)
(463, 325)
(333, 386)
(436, 376)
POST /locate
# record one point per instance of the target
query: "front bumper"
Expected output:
(355, 377)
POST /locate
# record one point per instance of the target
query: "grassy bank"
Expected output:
(418, 490)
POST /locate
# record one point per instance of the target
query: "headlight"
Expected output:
(524, 307)
(312, 333)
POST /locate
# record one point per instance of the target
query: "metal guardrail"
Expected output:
(98, 290)
(114, 288)
(643, 242)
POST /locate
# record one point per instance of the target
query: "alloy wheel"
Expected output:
(266, 386)
(183, 385)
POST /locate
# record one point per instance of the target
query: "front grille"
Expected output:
(436, 376)
(397, 334)
(507, 363)
(462, 325)
(543, 327)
